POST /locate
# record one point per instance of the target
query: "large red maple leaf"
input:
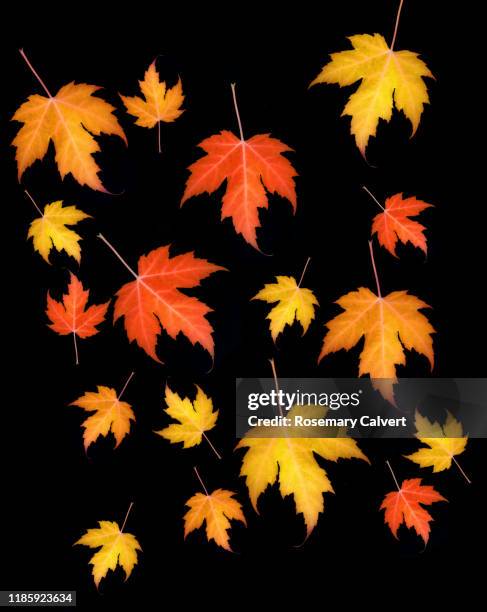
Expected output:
(153, 300)
(249, 167)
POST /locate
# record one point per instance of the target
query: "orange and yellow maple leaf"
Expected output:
(51, 230)
(160, 103)
(116, 548)
(217, 509)
(395, 223)
(249, 167)
(404, 506)
(390, 324)
(195, 418)
(70, 119)
(110, 414)
(291, 461)
(387, 78)
(444, 442)
(294, 302)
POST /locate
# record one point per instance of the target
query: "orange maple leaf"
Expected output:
(249, 167)
(160, 103)
(70, 119)
(153, 299)
(389, 324)
(216, 509)
(71, 315)
(395, 224)
(109, 414)
(404, 506)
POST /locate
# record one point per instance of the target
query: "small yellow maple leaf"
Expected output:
(160, 103)
(50, 230)
(387, 78)
(111, 414)
(195, 418)
(291, 462)
(294, 302)
(448, 441)
(116, 548)
(70, 119)
(217, 509)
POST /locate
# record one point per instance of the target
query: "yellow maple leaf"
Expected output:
(51, 231)
(111, 414)
(448, 441)
(217, 509)
(195, 418)
(294, 302)
(389, 324)
(160, 103)
(290, 461)
(70, 119)
(387, 77)
(116, 548)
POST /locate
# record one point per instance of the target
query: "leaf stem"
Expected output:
(125, 385)
(35, 73)
(159, 137)
(75, 348)
(304, 271)
(373, 197)
(211, 445)
(201, 481)
(393, 475)
(461, 471)
(374, 268)
(102, 237)
(234, 94)
(396, 25)
(276, 382)
(126, 517)
(38, 208)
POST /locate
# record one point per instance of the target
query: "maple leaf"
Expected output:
(50, 230)
(395, 224)
(249, 167)
(153, 299)
(294, 302)
(404, 506)
(110, 414)
(217, 509)
(115, 546)
(71, 315)
(390, 324)
(447, 442)
(290, 461)
(195, 418)
(387, 78)
(159, 104)
(70, 119)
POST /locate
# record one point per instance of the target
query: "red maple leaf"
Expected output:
(249, 167)
(153, 300)
(405, 506)
(395, 224)
(71, 315)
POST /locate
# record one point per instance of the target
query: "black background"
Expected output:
(53, 492)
